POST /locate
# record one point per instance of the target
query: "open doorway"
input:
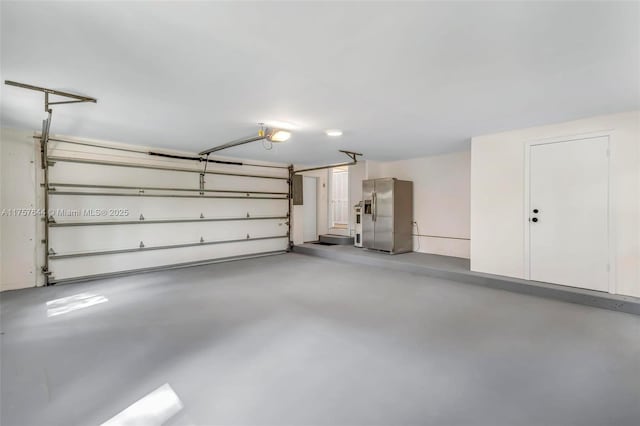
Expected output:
(339, 200)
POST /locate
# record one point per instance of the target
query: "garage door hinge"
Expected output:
(52, 251)
(141, 244)
(141, 217)
(202, 182)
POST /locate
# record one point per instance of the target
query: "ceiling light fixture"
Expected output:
(334, 132)
(271, 135)
(277, 135)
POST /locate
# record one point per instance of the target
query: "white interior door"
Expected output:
(568, 213)
(309, 208)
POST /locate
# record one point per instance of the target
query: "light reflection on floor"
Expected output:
(73, 303)
(152, 410)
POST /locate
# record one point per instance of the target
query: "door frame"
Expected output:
(330, 228)
(609, 134)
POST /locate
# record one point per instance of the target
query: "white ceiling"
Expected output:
(401, 79)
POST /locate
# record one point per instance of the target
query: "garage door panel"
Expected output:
(92, 174)
(245, 184)
(93, 238)
(92, 265)
(73, 206)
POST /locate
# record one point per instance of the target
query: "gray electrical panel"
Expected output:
(296, 189)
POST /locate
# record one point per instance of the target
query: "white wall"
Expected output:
(441, 200)
(497, 196)
(18, 240)
(357, 173)
(441, 193)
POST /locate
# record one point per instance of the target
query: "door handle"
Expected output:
(374, 206)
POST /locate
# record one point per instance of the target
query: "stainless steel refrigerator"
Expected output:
(387, 215)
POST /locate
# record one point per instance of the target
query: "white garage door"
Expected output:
(115, 212)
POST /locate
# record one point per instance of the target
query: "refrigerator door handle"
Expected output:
(374, 206)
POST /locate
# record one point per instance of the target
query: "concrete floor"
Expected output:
(458, 269)
(300, 340)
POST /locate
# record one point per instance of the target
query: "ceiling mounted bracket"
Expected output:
(46, 123)
(351, 154)
(75, 98)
